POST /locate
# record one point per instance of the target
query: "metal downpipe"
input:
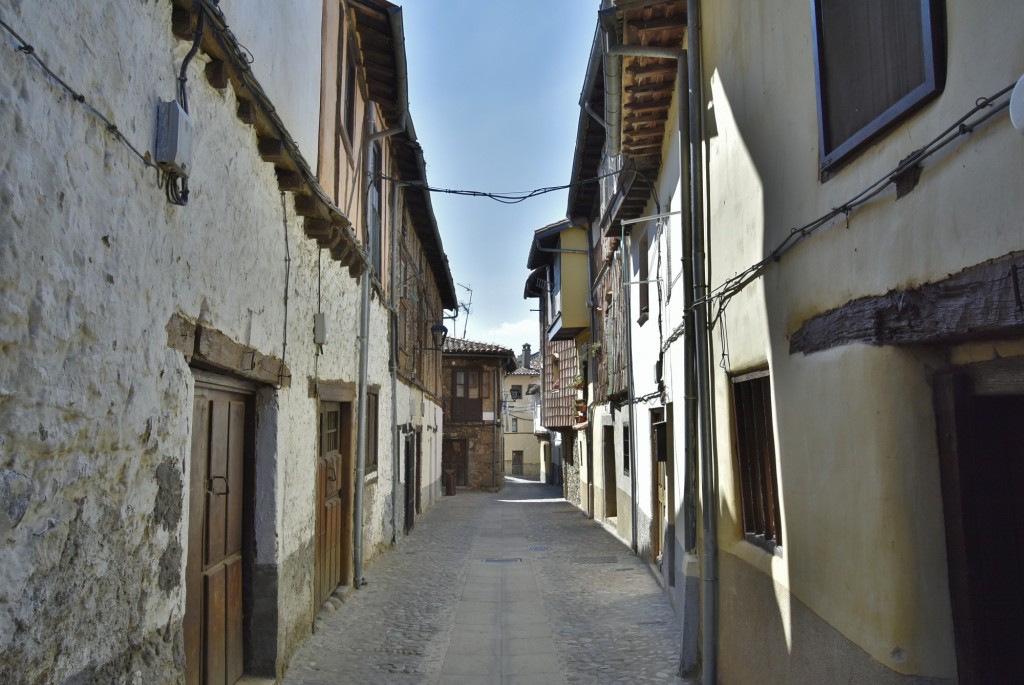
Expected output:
(688, 662)
(709, 491)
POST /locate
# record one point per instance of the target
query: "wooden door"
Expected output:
(659, 457)
(419, 472)
(331, 558)
(611, 492)
(410, 480)
(214, 566)
(455, 457)
(517, 462)
(981, 441)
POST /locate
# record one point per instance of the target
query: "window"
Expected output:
(466, 395)
(876, 61)
(516, 392)
(643, 276)
(373, 206)
(330, 427)
(755, 452)
(371, 431)
(514, 425)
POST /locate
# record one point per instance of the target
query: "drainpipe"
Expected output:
(612, 83)
(364, 363)
(709, 489)
(364, 328)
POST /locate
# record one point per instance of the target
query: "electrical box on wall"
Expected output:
(173, 139)
(319, 329)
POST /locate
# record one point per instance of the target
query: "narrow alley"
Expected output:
(513, 587)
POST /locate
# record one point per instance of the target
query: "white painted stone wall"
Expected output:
(95, 410)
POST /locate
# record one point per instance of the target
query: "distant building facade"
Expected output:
(473, 376)
(521, 398)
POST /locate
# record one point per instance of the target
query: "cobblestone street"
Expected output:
(514, 587)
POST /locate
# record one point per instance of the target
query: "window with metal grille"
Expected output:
(876, 61)
(755, 455)
(516, 392)
(330, 427)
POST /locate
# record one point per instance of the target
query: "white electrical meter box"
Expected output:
(173, 139)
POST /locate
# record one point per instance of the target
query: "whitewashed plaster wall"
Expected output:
(95, 410)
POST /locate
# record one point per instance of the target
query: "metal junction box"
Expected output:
(173, 139)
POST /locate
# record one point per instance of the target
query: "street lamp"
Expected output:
(439, 334)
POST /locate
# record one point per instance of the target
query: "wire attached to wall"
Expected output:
(962, 126)
(30, 52)
(732, 286)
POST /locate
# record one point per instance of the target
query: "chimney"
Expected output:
(526, 356)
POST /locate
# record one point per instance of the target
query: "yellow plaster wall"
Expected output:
(575, 279)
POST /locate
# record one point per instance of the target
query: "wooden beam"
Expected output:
(271, 149)
(658, 106)
(217, 74)
(308, 205)
(649, 88)
(317, 228)
(182, 23)
(290, 181)
(340, 252)
(662, 69)
(980, 302)
(247, 112)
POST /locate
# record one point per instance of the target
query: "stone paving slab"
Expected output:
(510, 587)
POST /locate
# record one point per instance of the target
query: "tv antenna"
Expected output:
(466, 307)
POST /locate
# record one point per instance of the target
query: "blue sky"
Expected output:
(494, 94)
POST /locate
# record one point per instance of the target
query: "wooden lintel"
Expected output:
(181, 335)
(308, 205)
(213, 348)
(247, 112)
(271, 149)
(290, 181)
(980, 302)
(217, 74)
(182, 22)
